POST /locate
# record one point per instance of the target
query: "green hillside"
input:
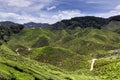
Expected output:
(87, 42)
(59, 57)
(113, 26)
(43, 54)
(16, 67)
(108, 68)
(29, 36)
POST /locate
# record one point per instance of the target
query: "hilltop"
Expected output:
(84, 22)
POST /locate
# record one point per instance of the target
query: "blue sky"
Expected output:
(51, 11)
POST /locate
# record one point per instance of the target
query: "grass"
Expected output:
(17, 67)
(108, 68)
(59, 57)
(28, 37)
(112, 26)
(65, 57)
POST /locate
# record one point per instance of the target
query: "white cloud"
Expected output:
(20, 3)
(50, 18)
(40, 4)
(8, 15)
(43, 18)
(51, 8)
(31, 10)
(106, 15)
(23, 4)
(67, 14)
(16, 17)
(115, 11)
(117, 7)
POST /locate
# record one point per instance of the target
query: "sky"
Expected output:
(51, 11)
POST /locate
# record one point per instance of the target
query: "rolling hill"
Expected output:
(63, 51)
(59, 57)
(16, 67)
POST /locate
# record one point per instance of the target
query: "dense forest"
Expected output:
(7, 31)
(84, 22)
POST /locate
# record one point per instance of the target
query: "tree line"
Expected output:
(7, 31)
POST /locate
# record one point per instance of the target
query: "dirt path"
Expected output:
(92, 64)
(17, 50)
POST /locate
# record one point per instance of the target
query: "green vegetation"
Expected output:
(16, 67)
(69, 50)
(63, 53)
(7, 31)
(83, 22)
(113, 26)
(30, 37)
(60, 57)
(108, 68)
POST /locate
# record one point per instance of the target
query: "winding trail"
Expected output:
(92, 64)
(17, 50)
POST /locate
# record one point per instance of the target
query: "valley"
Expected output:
(61, 51)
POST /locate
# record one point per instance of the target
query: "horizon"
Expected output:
(52, 11)
(57, 21)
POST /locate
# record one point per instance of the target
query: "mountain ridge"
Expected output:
(83, 22)
(36, 25)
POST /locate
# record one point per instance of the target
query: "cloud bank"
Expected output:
(51, 11)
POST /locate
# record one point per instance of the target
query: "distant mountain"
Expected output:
(8, 23)
(32, 24)
(84, 22)
(114, 18)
